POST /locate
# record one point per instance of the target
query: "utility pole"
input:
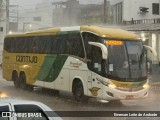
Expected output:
(104, 11)
(7, 16)
(4, 9)
(3, 23)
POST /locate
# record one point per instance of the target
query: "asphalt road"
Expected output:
(65, 102)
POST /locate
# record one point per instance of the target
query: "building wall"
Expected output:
(3, 20)
(131, 9)
(64, 13)
(3, 23)
(37, 19)
(13, 18)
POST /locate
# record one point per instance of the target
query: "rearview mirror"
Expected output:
(151, 50)
(103, 48)
(151, 53)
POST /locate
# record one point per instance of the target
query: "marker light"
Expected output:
(112, 86)
(114, 42)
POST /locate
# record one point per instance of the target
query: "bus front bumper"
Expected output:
(115, 94)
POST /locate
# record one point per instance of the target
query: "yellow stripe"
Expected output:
(122, 84)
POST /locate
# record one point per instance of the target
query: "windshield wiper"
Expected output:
(140, 63)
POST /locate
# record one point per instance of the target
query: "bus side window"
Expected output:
(34, 49)
(7, 44)
(74, 45)
(89, 37)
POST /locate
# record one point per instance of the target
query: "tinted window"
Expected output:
(96, 59)
(74, 45)
(155, 8)
(68, 43)
(89, 37)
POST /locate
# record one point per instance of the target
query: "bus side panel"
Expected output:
(78, 70)
(81, 75)
(8, 65)
(62, 82)
(50, 70)
(7, 72)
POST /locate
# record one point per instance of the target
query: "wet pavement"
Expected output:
(64, 102)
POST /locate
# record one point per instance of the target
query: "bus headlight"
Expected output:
(146, 86)
(112, 86)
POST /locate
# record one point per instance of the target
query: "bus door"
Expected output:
(96, 71)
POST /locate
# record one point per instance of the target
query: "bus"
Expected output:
(89, 61)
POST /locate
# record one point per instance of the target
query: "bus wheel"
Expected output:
(22, 78)
(78, 92)
(15, 79)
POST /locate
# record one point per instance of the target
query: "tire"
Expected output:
(15, 80)
(78, 92)
(22, 79)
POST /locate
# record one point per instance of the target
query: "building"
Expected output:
(53, 13)
(3, 19)
(74, 12)
(138, 11)
(3, 23)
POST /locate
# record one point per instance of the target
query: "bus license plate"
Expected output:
(129, 97)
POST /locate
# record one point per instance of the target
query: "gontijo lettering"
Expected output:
(29, 59)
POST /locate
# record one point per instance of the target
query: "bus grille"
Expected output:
(129, 89)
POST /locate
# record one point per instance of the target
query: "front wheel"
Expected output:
(78, 92)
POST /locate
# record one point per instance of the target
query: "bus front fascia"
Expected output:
(103, 49)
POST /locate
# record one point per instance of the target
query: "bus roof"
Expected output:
(101, 31)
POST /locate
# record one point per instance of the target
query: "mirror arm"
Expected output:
(103, 48)
(151, 49)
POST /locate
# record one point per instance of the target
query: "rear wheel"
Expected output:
(15, 79)
(22, 78)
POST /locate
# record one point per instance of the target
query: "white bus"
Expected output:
(88, 61)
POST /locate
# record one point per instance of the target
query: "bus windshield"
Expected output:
(126, 60)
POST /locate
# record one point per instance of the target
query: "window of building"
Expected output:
(118, 12)
(1, 29)
(37, 18)
(155, 8)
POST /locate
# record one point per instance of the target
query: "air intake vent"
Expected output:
(143, 9)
